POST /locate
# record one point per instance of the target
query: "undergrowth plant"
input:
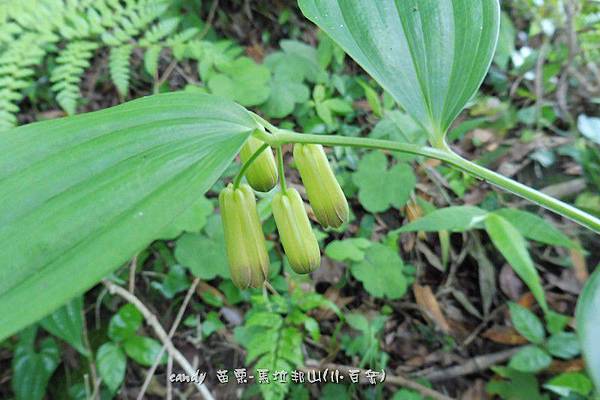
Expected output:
(95, 189)
(66, 35)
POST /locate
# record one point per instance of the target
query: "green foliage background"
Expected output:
(411, 221)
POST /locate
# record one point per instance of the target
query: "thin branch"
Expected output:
(160, 333)
(210, 18)
(178, 318)
(395, 380)
(132, 269)
(166, 74)
(539, 81)
(474, 365)
(169, 384)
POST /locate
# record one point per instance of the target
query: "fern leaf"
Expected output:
(159, 31)
(119, 67)
(151, 59)
(16, 71)
(66, 76)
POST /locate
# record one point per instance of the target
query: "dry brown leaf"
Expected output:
(332, 294)
(256, 52)
(433, 163)
(509, 282)
(483, 135)
(205, 287)
(504, 335)
(430, 306)
(476, 391)
(414, 212)
(558, 366)
(579, 265)
(527, 300)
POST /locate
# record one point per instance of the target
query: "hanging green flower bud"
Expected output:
(262, 173)
(324, 192)
(295, 233)
(244, 239)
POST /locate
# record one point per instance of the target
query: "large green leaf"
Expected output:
(509, 241)
(82, 195)
(430, 55)
(588, 325)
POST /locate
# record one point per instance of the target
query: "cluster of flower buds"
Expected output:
(244, 238)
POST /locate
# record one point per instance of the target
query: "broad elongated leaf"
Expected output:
(81, 195)
(535, 228)
(430, 55)
(509, 241)
(454, 218)
(67, 324)
(588, 325)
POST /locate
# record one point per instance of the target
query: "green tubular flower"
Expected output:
(324, 192)
(295, 232)
(244, 238)
(262, 173)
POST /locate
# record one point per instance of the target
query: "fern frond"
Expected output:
(71, 31)
(184, 42)
(17, 63)
(119, 67)
(151, 59)
(133, 19)
(72, 62)
(159, 31)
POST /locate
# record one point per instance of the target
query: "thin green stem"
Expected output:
(281, 169)
(263, 122)
(526, 192)
(238, 179)
(271, 288)
(445, 154)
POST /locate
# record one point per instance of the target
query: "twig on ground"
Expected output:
(210, 18)
(169, 371)
(160, 333)
(539, 81)
(132, 269)
(476, 364)
(566, 189)
(178, 318)
(396, 380)
(166, 74)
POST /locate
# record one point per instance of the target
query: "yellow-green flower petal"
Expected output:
(296, 235)
(262, 173)
(324, 192)
(244, 238)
